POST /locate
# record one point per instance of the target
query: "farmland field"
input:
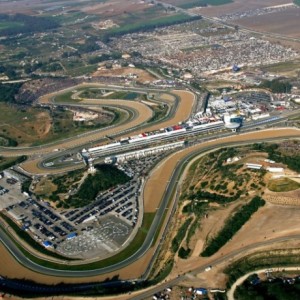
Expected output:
(240, 6)
(198, 3)
(284, 68)
(285, 22)
(6, 25)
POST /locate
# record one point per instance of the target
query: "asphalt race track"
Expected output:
(189, 153)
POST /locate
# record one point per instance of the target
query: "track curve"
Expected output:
(159, 189)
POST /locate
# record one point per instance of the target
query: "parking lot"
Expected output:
(105, 238)
(98, 229)
(10, 192)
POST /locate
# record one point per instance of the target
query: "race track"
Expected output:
(158, 188)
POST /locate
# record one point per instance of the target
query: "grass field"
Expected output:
(65, 97)
(123, 95)
(283, 185)
(6, 25)
(144, 24)
(98, 94)
(63, 125)
(78, 71)
(284, 67)
(196, 3)
(38, 126)
(23, 126)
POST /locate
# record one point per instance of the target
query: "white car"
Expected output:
(208, 268)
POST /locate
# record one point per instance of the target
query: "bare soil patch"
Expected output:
(115, 7)
(269, 222)
(240, 6)
(283, 198)
(286, 22)
(211, 225)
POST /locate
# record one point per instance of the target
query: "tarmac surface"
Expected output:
(159, 192)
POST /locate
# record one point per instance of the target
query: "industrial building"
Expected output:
(142, 153)
(147, 139)
(232, 121)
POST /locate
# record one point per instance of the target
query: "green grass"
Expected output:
(82, 70)
(195, 3)
(159, 112)
(287, 66)
(147, 221)
(283, 185)
(19, 124)
(63, 125)
(65, 97)
(6, 25)
(123, 95)
(143, 24)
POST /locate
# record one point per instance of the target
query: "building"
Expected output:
(233, 121)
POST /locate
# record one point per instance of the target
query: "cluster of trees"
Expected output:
(9, 91)
(184, 253)
(7, 164)
(275, 290)
(293, 162)
(180, 235)
(277, 86)
(89, 46)
(203, 3)
(232, 226)
(9, 71)
(28, 24)
(7, 141)
(106, 177)
(204, 195)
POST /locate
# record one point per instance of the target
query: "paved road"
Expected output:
(214, 263)
(157, 220)
(142, 114)
(230, 293)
